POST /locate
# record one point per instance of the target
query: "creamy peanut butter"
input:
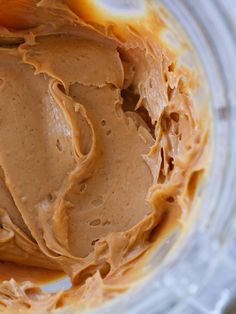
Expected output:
(99, 145)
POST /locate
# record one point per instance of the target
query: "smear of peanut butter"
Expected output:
(99, 144)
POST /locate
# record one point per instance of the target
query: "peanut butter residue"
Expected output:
(99, 144)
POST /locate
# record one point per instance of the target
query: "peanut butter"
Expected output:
(99, 143)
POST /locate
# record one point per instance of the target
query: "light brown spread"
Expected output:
(99, 144)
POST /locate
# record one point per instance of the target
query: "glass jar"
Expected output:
(199, 275)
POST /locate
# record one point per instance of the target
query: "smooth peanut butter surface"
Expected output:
(99, 143)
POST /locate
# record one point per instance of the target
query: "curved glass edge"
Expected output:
(203, 279)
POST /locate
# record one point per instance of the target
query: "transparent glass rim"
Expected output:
(211, 31)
